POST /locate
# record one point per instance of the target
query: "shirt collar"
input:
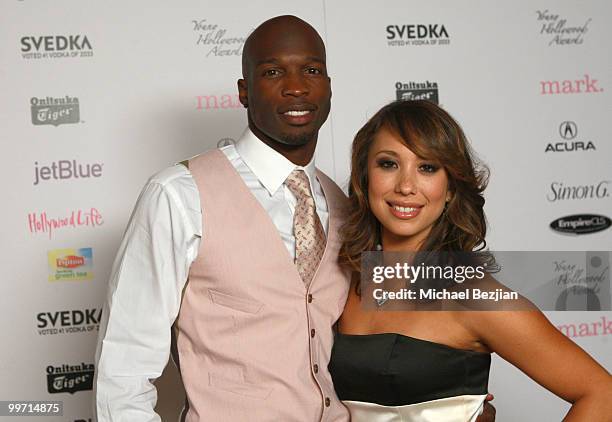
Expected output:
(269, 166)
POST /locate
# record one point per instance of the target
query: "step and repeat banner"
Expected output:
(97, 96)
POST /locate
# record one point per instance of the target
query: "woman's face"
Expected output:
(407, 194)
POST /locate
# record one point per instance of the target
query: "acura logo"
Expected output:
(568, 130)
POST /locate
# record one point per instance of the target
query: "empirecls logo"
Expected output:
(581, 224)
(70, 264)
(54, 111)
(70, 378)
(55, 46)
(411, 35)
(417, 91)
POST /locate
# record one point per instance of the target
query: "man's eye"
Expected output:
(429, 168)
(386, 164)
(271, 72)
(313, 71)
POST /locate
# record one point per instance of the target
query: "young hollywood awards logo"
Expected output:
(68, 322)
(70, 264)
(70, 378)
(66, 169)
(586, 85)
(417, 91)
(557, 31)
(417, 35)
(44, 224)
(568, 142)
(54, 111)
(55, 46)
(216, 40)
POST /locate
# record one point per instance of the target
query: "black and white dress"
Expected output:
(390, 377)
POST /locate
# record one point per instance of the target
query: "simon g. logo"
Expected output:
(55, 46)
(560, 191)
(54, 111)
(417, 91)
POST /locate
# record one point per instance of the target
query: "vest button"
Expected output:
(327, 402)
(312, 332)
(315, 368)
(309, 298)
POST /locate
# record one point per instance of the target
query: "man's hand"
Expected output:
(488, 412)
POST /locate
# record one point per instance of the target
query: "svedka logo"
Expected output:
(567, 86)
(569, 131)
(55, 46)
(68, 322)
(54, 111)
(417, 91)
(557, 30)
(215, 39)
(70, 264)
(560, 191)
(42, 223)
(417, 34)
(581, 224)
(70, 378)
(66, 169)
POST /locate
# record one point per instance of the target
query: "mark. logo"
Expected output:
(216, 102)
(70, 378)
(55, 46)
(70, 264)
(410, 35)
(581, 224)
(417, 91)
(567, 86)
(54, 111)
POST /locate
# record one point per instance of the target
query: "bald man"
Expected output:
(230, 260)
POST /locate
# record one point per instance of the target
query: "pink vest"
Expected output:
(253, 343)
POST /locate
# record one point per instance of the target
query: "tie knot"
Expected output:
(298, 184)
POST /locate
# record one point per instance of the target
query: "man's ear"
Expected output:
(243, 93)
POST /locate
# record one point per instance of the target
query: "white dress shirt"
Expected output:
(161, 241)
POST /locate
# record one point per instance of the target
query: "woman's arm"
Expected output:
(531, 343)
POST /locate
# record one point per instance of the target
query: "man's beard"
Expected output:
(297, 140)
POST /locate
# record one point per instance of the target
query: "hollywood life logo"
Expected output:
(587, 85)
(218, 102)
(215, 39)
(41, 223)
(562, 192)
(66, 169)
(70, 264)
(568, 131)
(557, 30)
(68, 322)
(54, 111)
(417, 91)
(55, 46)
(70, 378)
(579, 224)
(417, 35)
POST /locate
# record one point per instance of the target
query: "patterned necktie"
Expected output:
(307, 228)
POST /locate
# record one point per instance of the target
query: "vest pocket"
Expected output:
(238, 387)
(236, 303)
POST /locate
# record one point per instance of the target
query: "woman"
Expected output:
(415, 187)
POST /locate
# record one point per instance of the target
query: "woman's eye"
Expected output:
(386, 164)
(429, 168)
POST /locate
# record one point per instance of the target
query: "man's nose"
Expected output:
(295, 85)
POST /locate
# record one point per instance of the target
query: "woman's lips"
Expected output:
(405, 212)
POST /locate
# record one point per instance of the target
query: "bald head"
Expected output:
(287, 32)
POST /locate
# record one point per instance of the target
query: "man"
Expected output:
(236, 250)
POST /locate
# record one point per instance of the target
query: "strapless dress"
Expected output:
(390, 377)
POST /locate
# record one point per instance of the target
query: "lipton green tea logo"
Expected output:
(70, 264)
